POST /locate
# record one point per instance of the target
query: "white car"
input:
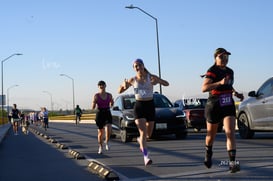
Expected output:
(256, 113)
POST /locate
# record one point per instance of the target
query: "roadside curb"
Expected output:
(103, 171)
(3, 131)
(76, 155)
(93, 166)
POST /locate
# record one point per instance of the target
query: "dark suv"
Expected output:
(169, 119)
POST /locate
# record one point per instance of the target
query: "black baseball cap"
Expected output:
(221, 51)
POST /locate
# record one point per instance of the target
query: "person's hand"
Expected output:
(225, 80)
(124, 84)
(240, 96)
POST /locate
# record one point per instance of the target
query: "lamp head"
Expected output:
(130, 7)
(18, 54)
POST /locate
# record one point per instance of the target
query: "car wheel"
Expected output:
(124, 136)
(243, 125)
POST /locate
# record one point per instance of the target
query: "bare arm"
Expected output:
(125, 85)
(111, 101)
(94, 102)
(238, 95)
(208, 85)
(156, 80)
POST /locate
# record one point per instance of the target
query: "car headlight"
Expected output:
(130, 117)
(182, 115)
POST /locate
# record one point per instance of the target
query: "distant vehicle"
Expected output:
(256, 113)
(194, 109)
(169, 119)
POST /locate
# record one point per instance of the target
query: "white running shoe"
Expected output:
(147, 161)
(138, 140)
(107, 146)
(100, 150)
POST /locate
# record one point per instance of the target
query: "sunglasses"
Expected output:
(137, 65)
(223, 56)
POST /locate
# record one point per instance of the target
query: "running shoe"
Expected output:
(147, 161)
(100, 150)
(208, 161)
(234, 166)
(138, 140)
(107, 146)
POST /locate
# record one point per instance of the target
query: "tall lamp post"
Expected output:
(73, 94)
(2, 94)
(156, 25)
(8, 95)
(51, 103)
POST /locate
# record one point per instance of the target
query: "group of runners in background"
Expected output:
(20, 119)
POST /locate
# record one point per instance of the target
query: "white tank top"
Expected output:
(143, 90)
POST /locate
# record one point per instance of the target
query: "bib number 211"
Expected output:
(225, 100)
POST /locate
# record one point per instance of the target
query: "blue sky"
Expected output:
(92, 40)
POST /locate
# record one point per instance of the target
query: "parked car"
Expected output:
(194, 109)
(256, 112)
(168, 119)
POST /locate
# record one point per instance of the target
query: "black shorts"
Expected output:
(215, 113)
(103, 117)
(45, 120)
(145, 109)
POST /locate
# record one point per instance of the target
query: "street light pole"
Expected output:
(51, 103)
(2, 80)
(157, 40)
(72, 89)
(8, 95)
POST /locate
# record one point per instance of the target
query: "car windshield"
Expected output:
(162, 102)
(194, 103)
(129, 102)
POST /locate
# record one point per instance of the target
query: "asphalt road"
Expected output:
(172, 159)
(30, 158)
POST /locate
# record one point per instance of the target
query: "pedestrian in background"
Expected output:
(220, 106)
(103, 101)
(78, 113)
(15, 115)
(44, 117)
(144, 109)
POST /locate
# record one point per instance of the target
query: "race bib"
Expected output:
(140, 91)
(225, 100)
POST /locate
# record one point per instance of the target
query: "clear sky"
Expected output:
(92, 40)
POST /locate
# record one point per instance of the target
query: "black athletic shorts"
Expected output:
(145, 109)
(215, 111)
(103, 117)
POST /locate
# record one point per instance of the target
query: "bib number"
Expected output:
(225, 100)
